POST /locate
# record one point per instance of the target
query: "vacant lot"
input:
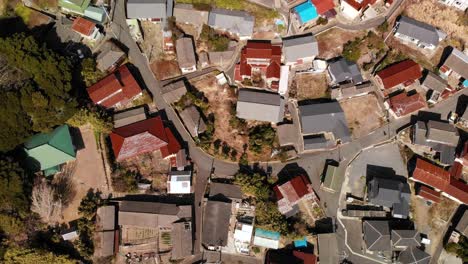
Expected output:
(331, 42)
(363, 114)
(165, 69)
(310, 86)
(152, 40)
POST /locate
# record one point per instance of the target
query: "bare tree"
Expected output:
(45, 204)
(63, 184)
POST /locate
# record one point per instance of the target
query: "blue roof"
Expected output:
(306, 12)
(267, 234)
(465, 83)
(300, 243)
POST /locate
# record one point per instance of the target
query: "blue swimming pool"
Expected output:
(306, 12)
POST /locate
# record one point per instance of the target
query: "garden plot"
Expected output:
(331, 42)
(363, 114)
(309, 86)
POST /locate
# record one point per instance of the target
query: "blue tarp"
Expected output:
(300, 243)
(465, 83)
(267, 234)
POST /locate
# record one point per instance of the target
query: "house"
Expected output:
(344, 71)
(289, 256)
(287, 134)
(402, 239)
(74, 6)
(106, 231)
(224, 192)
(428, 194)
(437, 136)
(242, 236)
(328, 248)
(398, 75)
(421, 34)
(333, 179)
(324, 118)
(462, 225)
(456, 64)
(260, 64)
(436, 85)
(216, 224)
(152, 10)
(86, 28)
(109, 57)
(441, 180)
(298, 50)
(325, 8)
(350, 90)
(129, 117)
(186, 55)
(266, 239)
(289, 194)
(193, 121)
(187, 14)
(115, 90)
(96, 14)
(352, 9)
(181, 236)
(404, 103)
(260, 105)
(238, 23)
(460, 4)
(50, 150)
(414, 255)
(179, 182)
(174, 91)
(377, 235)
(390, 191)
(143, 137)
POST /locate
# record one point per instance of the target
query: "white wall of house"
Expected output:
(348, 11)
(188, 69)
(460, 4)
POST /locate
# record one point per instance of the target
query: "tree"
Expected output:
(261, 136)
(267, 216)
(90, 203)
(14, 255)
(352, 50)
(383, 27)
(89, 72)
(214, 41)
(322, 21)
(45, 203)
(253, 185)
(98, 119)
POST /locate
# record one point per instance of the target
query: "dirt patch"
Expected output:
(359, 123)
(310, 86)
(165, 69)
(264, 35)
(152, 41)
(331, 42)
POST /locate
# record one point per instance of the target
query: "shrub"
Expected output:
(214, 41)
(351, 50)
(260, 136)
(383, 27)
(98, 119)
(322, 21)
(144, 99)
(89, 72)
(125, 181)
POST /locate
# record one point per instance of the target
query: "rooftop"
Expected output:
(260, 105)
(298, 47)
(236, 22)
(216, 223)
(377, 235)
(418, 30)
(83, 26)
(185, 52)
(403, 103)
(343, 70)
(400, 73)
(458, 62)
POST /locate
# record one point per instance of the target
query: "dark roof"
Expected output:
(377, 235)
(343, 70)
(458, 62)
(193, 121)
(230, 191)
(260, 105)
(414, 255)
(434, 82)
(400, 73)
(174, 91)
(289, 256)
(185, 52)
(418, 30)
(151, 214)
(406, 238)
(128, 117)
(216, 223)
(390, 192)
(316, 142)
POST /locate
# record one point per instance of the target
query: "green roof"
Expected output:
(332, 180)
(77, 6)
(51, 149)
(95, 13)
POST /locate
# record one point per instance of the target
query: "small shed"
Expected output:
(332, 179)
(174, 91)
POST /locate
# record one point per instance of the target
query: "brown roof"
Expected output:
(193, 121)
(400, 73)
(105, 218)
(185, 53)
(403, 104)
(83, 26)
(174, 91)
(359, 5)
(150, 214)
(429, 194)
(458, 62)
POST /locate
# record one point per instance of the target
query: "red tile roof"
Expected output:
(358, 6)
(429, 194)
(323, 6)
(399, 73)
(261, 50)
(141, 137)
(456, 170)
(440, 179)
(118, 87)
(83, 26)
(307, 258)
(402, 104)
(294, 189)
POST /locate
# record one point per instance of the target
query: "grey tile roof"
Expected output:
(230, 191)
(216, 223)
(193, 121)
(418, 30)
(377, 235)
(413, 255)
(105, 218)
(462, 225)
(297, 47)
(110, 54)
(316, 142)
(328, 248)
(406, 238)
(325, 117)
(143, 9)
(434, 82)
(105, 243)
(185, 13)
(151, 214)
(442, 132)
(185, 53)
(237, 22)
(181, 237)
(174, 91)
(343, 70)
(390, 192)
(260, 105)
(129, 117)
(458, 62)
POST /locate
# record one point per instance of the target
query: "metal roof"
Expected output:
(144, 9)
(193, 121)
(260, 105)
(418, 30)
(230, 191)
(458, 62)
(185, 53)
(216, 223)
(434, 82)
(129, 117)
(185, 13)
(237, 22)
(298, 47)
(414, 255)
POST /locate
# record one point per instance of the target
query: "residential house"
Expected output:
(129, 117)
(109, 57)
(179, 182)
(181, 236)
(421, 34)
(399, 75)
(437, 136)
(180, 161)
(333, 179)
(414, 255)
(193, 121)
(174, 91)
(350, 90)
(352, 9)
(436, 85)
(260, 105)
(441, 180)
(289, 256)
(301, 49)
(328, 248)
(115, 90)
(238, 23)
(402, 239)
(260, 64)
(390, 191)
(86, 28)
(96, 14)
(325, 8)
(224, 192)
(404, 103)
(152, 10)
(186, 55)
(106, 231)
(74, 6)
(377, 235)
(266, 239)
(324, 118)
(289, 194)
(343, 71)
(50, 150)
(70, 234)
(144, 137)
(460, 4)
(216, 224)
(456, 64)
(428, 194)
(243, 236)
(187, 14)
(462, 225)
